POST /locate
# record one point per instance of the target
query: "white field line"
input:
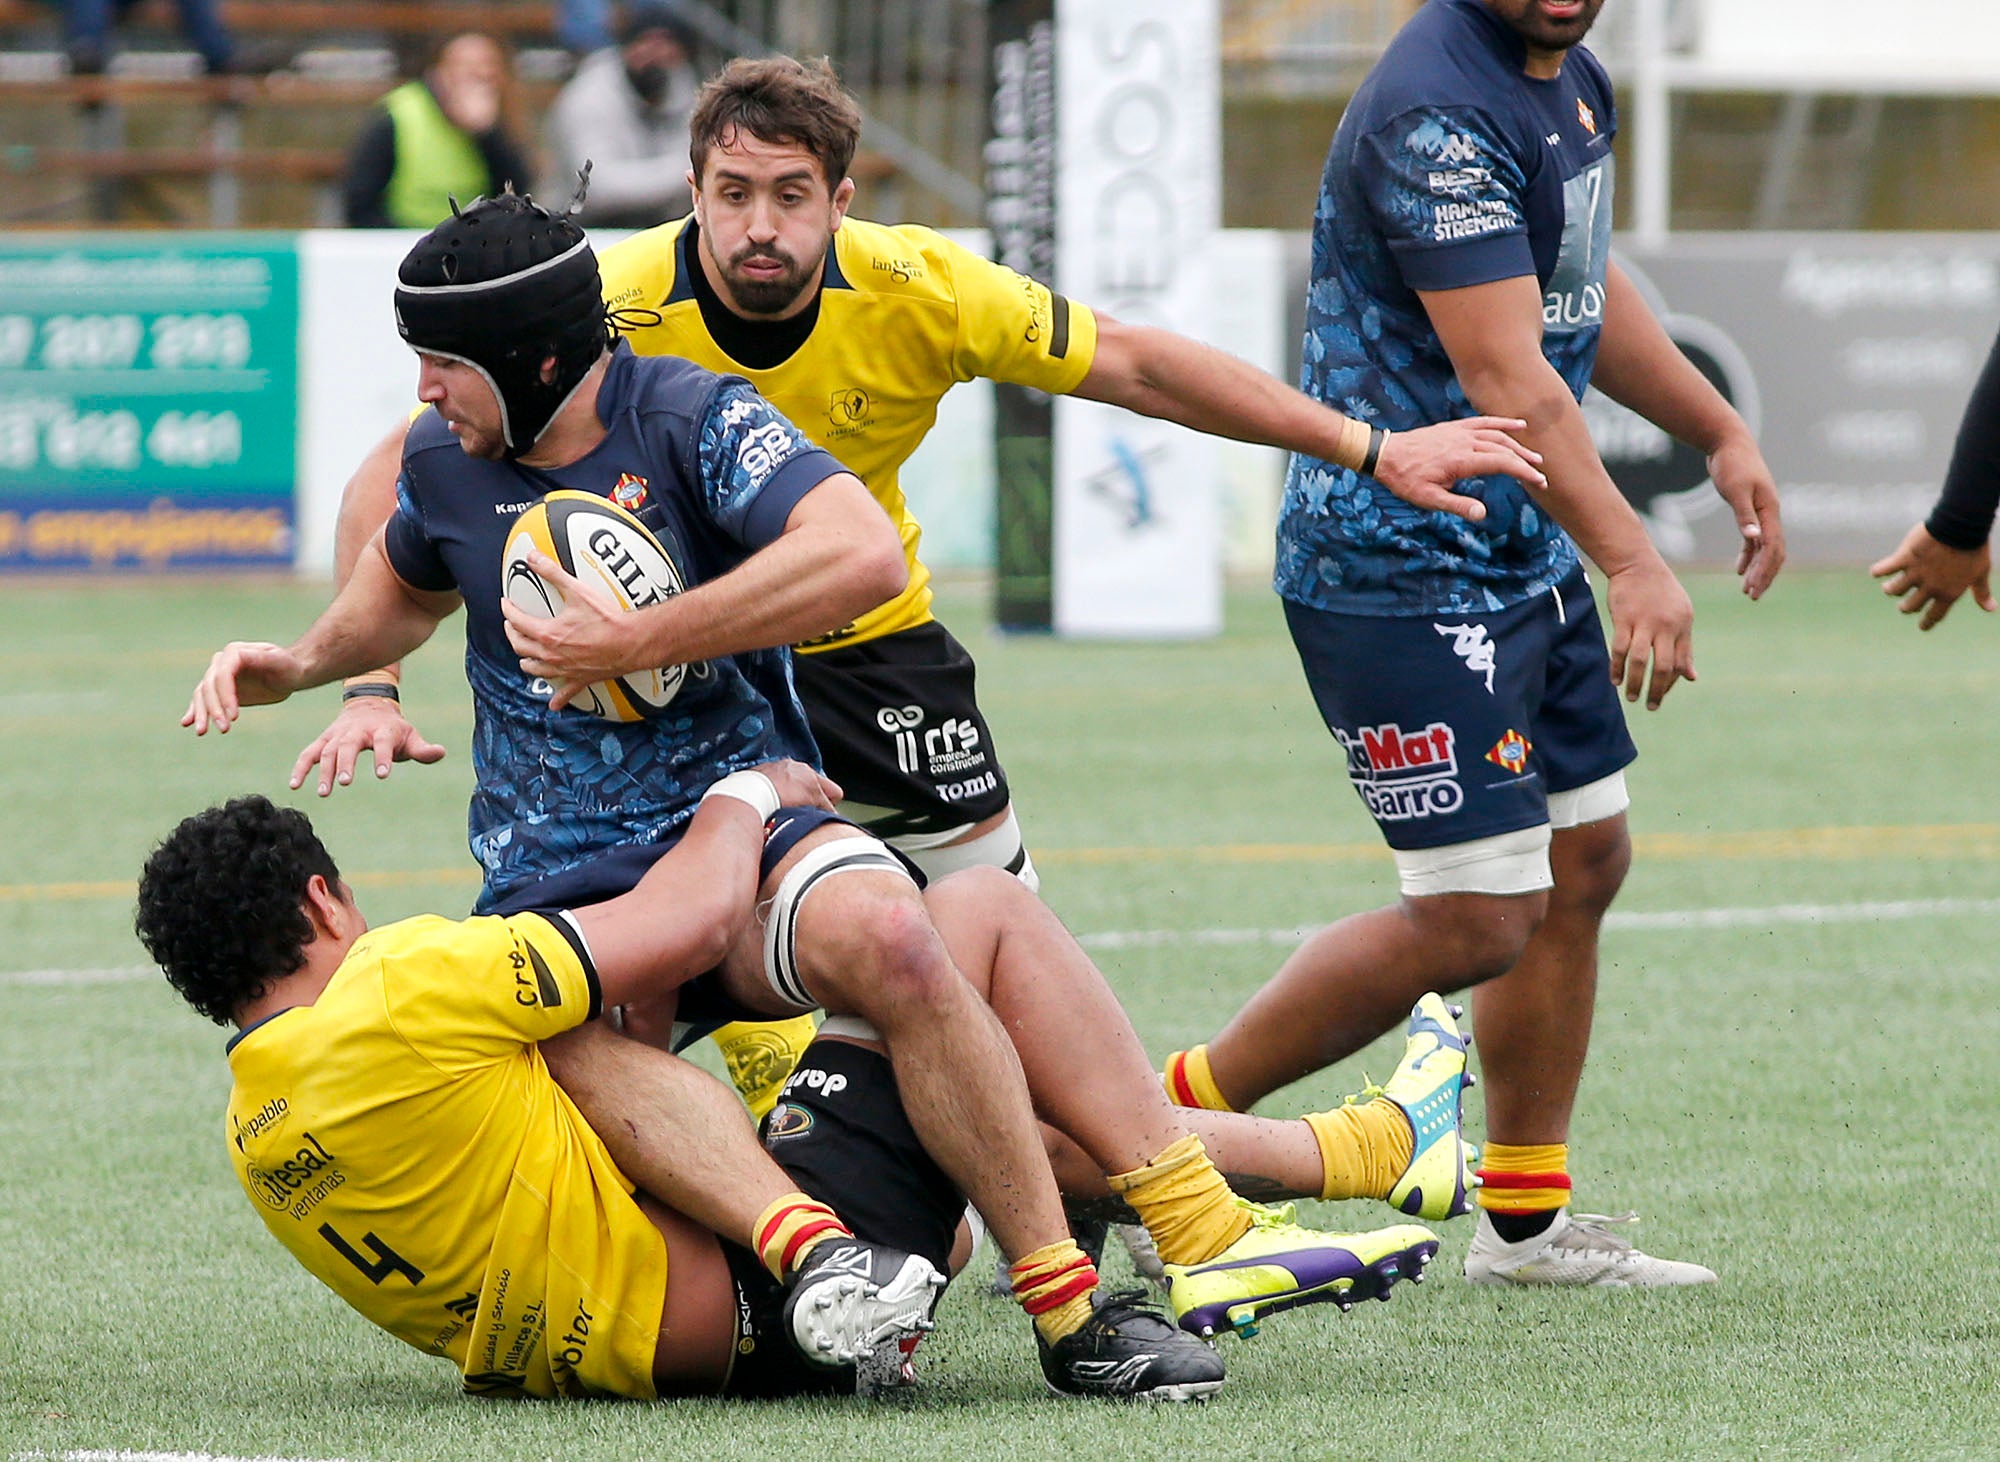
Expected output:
(1764, 916)
(1888, 911)
(124, 1456)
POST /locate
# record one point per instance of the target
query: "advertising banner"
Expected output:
(1851, 355)
(1137, 534)
(148, 402)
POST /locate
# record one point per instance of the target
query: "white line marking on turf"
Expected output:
(1885, 911)
(122, 974)
(1728, 918)
(123, 1456)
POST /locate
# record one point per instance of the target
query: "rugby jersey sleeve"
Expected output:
(1446, 190)
(753, 464)
(412, 552)
(1012, 328)
(467, 992)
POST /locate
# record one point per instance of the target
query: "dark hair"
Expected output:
(777, 99)
(222, 902)
(647, 16)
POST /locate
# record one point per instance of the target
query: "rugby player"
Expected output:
(503, 307)
(395, 1126)
(1462, 257)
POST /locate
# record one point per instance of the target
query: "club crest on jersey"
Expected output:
(1470, 644)
(1511, 751)
(848, 408)
(630, 493)
(1586, 116)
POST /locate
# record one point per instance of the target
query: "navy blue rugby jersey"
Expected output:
(1450, 168)
(719, 470)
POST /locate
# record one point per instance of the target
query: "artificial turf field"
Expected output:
(1793, 1075)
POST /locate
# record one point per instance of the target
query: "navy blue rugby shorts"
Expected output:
(1459, 727)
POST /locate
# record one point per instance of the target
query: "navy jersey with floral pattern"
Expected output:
(713, 470)
(1450, 168)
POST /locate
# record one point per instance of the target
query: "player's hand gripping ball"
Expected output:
(599, 543)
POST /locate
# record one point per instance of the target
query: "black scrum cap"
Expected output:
(502, 286)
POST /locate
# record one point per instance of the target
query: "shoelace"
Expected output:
(1597, 1227)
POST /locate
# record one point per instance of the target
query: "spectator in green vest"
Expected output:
(443, 136)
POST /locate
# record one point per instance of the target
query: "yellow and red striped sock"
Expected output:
(1184, 1203)
(1523, 1182)
(789, 1229)
(1190, 1083)
(1054, 1285)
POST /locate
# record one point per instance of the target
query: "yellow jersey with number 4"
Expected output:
(403, 1139)
(904, 315)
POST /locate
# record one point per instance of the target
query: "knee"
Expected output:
(1590, 867)
(880, 955)
(1481, 937)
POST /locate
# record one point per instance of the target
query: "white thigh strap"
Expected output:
(839, 855)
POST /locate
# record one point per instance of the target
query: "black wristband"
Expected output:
(370, 688)
(1376, 436)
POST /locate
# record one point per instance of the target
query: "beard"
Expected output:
(770, 294)
(1545, 32)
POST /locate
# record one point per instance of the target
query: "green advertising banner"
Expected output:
(148, 401)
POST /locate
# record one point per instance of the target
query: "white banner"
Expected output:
(1138, 535)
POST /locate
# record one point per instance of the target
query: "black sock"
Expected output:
(1514, 1227)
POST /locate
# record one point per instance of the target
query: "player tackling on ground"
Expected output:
(503, 307)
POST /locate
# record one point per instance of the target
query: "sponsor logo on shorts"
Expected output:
(1404, 774)
(811, 1078)
(1470, 644)
(787, 1120)
(953, 749)
(1511, 751)
(630, 493)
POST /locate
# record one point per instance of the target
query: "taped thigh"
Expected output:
(781, 925)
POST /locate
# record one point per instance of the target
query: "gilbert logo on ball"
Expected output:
(600, 543)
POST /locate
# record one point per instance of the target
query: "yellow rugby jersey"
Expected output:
(403, 1139)
(904, 315)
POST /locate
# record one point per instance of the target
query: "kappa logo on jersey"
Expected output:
(1404, 774)
(1511, 751)
(738, 411)
(1458, 148)
(630, 493)
(1470, 644)
(1586, 116)
(848, 409)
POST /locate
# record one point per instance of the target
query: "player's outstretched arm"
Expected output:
(1158, 373)
(1929, 576)
(375, 619)
(372, 724)
(1493, 334)
(1639, 366)
(690, 908)
(838, 557)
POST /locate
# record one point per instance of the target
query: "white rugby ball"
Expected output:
(599, 543)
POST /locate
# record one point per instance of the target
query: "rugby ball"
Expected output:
(599, 543)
